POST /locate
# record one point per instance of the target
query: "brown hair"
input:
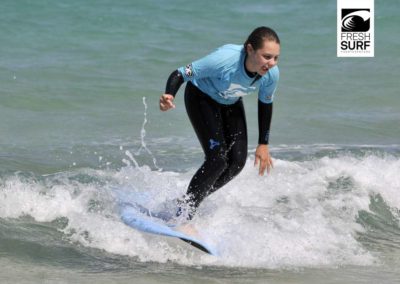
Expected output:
(257, 37)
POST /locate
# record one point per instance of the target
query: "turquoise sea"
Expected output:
(79, 88)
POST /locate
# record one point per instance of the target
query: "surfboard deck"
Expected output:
(140, 218)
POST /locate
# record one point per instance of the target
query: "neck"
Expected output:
(248, 69)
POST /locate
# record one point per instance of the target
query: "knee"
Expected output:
(238, 167)
(219, 163)
(237, 164)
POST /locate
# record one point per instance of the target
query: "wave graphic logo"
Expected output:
(355, 20)
(213, 144)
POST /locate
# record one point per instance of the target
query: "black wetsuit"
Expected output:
(222, 132)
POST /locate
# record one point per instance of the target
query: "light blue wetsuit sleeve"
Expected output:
(268, 86)
(209, 66)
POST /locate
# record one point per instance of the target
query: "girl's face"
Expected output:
(264, 58)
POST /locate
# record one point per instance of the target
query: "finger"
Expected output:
(167, 97)
(168, 100)
(256, 161)
(166, 103)
(162, 106)
(261, 171)
(262, 168)
(170, 104)
(268, 165)
(161, 101)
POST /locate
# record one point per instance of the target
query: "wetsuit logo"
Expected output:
(236, 90)
(189, 70)
(213, 144)
(355, 20)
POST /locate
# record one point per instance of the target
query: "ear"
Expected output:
(249, 48)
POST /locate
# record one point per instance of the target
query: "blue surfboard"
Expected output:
(138, 217)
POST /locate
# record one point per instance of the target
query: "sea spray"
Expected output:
(305, 213)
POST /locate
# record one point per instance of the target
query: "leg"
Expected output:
(236, 137)
(207, 120)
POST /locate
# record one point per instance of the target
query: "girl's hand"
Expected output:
(263, 158)
(166, 102)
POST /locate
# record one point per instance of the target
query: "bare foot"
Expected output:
(188, 229)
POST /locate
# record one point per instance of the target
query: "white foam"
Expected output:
(294, 217)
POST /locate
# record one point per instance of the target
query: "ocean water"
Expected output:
(79, 118)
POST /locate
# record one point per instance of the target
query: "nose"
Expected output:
(272, 62)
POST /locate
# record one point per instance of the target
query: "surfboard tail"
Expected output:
(197, 245)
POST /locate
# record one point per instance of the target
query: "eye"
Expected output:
(270, 57)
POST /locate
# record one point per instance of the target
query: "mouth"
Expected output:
(264, 69)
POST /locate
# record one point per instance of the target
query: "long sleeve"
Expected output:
(175, 80)
(264, 121)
